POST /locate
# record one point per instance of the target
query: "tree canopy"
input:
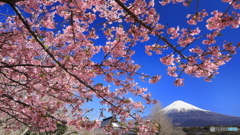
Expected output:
(52, 52)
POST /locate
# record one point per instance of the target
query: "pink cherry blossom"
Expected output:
(53, 53)
(155, 79)
(167, 60)
(179, 82)
(172, 71)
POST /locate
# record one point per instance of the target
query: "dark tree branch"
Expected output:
(23, 65)
(20, 102)
(26, 105)
(12, 79)
(11, 1)
(97, 92)
(148, 27)
(14, 117)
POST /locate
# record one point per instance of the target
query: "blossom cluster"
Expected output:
(52, 53)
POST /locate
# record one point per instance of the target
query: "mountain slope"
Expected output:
(202, 119)
(186, 115)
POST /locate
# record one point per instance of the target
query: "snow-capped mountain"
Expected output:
(186, 115)
(180, 106)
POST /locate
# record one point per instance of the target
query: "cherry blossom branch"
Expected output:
(10, 97)
(52, 56)
(24, 65)
(148, 27)
(197, 6)
(12, 79)
(11, 1)
(27, 105)
(229, 7)
(14, 117)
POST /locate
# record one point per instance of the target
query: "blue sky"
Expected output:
(221, 95)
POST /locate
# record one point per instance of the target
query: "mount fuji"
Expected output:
(186, 115)
(180, 106)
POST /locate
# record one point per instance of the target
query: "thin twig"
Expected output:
(148, 27)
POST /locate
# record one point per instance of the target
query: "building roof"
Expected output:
(110, 120)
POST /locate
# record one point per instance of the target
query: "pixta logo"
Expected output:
(212, 129)
(220, 129)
